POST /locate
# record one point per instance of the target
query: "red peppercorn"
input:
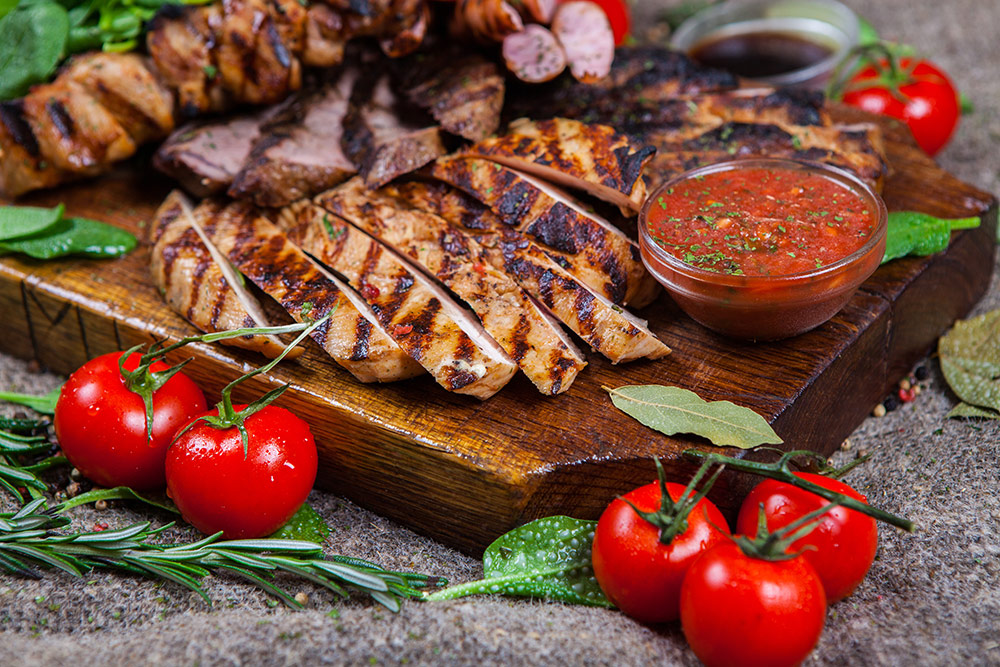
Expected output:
(402, 329)
(369, 292)
(907, 395)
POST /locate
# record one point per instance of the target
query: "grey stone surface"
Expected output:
(931, 598)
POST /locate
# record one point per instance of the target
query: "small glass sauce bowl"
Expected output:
(765, 307)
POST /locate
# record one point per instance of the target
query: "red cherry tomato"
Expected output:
(101, 425)
(739, 610)
(638, 573)
(618, 16)
(216, 487)
(844, 541)
(923, 97)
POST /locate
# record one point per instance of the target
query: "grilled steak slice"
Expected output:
(530, 336)
(379, 141)
(637, 74)
(441, 335)
(551, 217)
(352, 337)
(463, 92)
(205, 157)
(592, 158)
(855, 148)
(195, 284)
(299, 153)
(606, 327)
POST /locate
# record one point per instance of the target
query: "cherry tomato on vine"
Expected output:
(618, 16)
(916, 91)
(101, 424)
(741, 610)
(637, 572)
(216, 486)
(844, 542)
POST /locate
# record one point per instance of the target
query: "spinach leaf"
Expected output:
(18, 221)
(672, 410)
(548, 558)
(73, 236)
(305, 525)
(913, 233)
(32, 42)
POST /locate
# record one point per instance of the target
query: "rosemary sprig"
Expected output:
(28, 540)
(24, 438)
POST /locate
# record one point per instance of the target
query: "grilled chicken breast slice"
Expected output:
(299, 152)
(420, 316)
(352, 337)
(525, 331)
(552, 217)
(195, 285)
(593, 158)
(606, 327)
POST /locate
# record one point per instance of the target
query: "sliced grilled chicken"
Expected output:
(464, 92)
(606, 327)
(196, 285)
(379, 137)
(205, 157)
(299, 152)
(420, 316)
(555, 219)
(352, 337)
(525, 331)
(593, 158)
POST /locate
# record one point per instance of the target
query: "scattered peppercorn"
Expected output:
(302, 598)
(907, 395)
(879, 410)
(921, 373)
(101, 505)
(891, 403)
(905, 384)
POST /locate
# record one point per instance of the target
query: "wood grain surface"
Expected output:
(465, 471)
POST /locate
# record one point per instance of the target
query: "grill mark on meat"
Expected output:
(280, 52)
(197, 278)
(12, 114)
(60, 118)
(361, 335)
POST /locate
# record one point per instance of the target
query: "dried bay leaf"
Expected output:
(672, 410)
(966, 410)
(970, 360)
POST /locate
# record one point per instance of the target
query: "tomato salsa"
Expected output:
(760, 221)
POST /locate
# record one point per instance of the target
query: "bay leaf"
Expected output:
(970, 360)
(966, 410)
(548, 558)
(671, 410)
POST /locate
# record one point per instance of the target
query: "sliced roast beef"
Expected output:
(523, 329)
(299, 152)
(605, 326)
(380, 138)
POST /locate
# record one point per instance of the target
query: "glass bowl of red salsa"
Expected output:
(762, 248)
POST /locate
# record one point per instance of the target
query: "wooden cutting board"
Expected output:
(465, 471)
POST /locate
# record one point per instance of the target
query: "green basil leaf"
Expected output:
(32, 42)
(159, 501)
(970, 360)
(867, 34)
(914, 233)
(548, 558)
(306, 525)
(7, 6)
(20, 221)
(44, 404)
(73, 236)
(671, 410)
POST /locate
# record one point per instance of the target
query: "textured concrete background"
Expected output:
(931, 598)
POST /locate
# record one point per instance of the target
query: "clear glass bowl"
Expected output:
(824, 22)
(765, 307)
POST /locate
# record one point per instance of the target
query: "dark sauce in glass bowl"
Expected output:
(760, 54)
